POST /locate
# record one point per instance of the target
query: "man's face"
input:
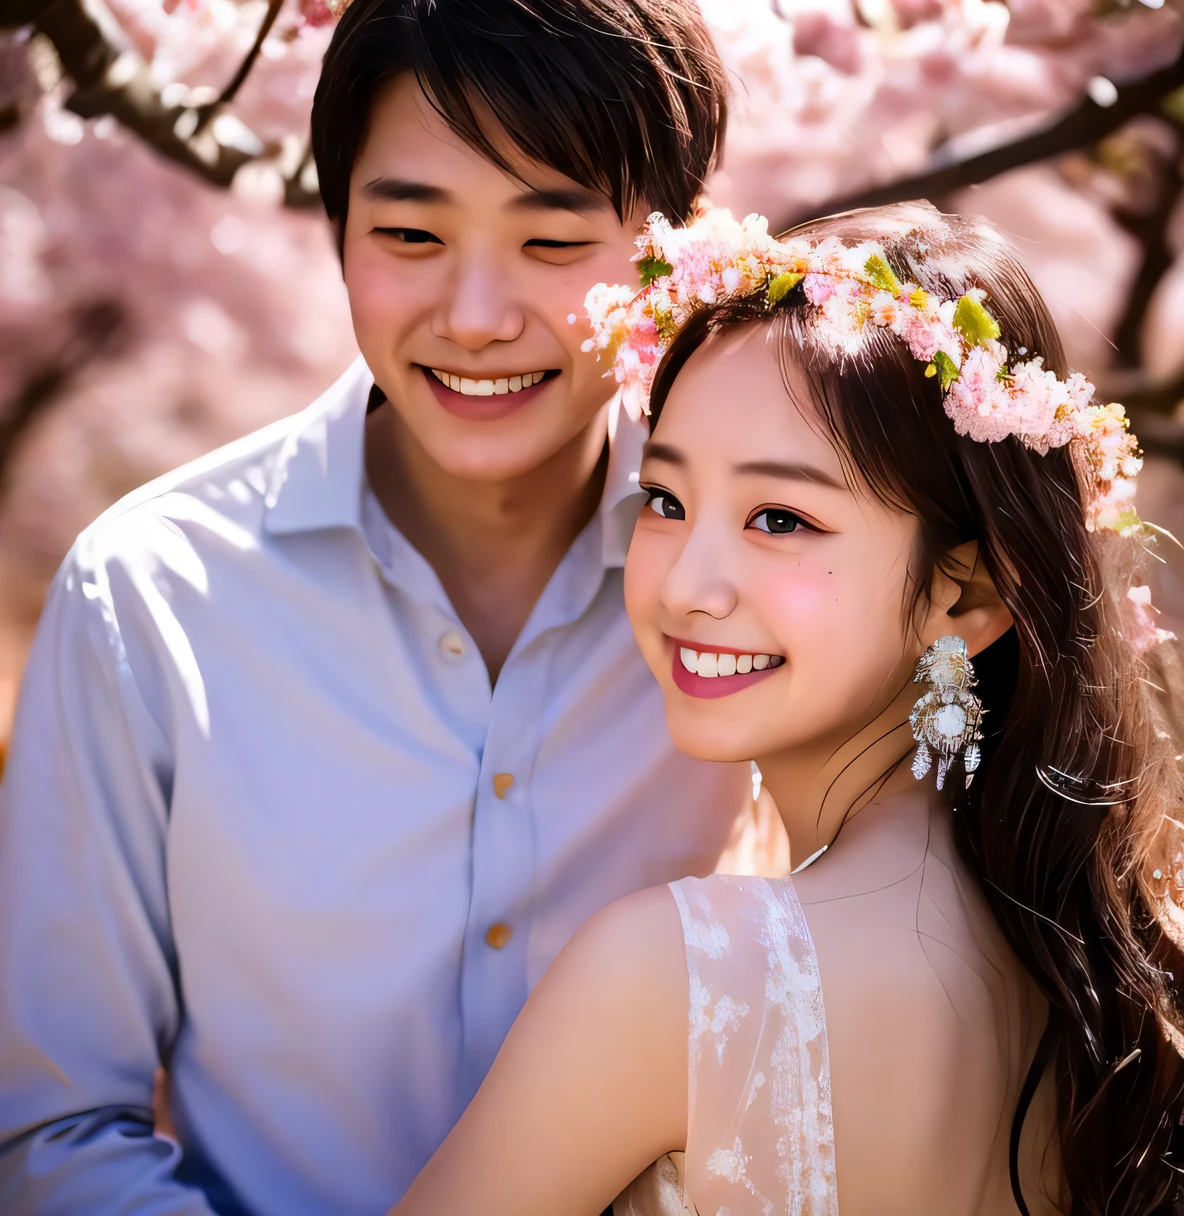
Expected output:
(461, 280)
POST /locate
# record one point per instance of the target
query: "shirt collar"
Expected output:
(317, 481)
(620, 501)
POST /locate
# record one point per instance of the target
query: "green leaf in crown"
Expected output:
(782, 285)
(881, 275)
(651, 268)
(973, 321)
(945, 367)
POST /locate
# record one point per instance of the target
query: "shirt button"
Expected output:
(498, 935)
(452, 647)
(502, 783)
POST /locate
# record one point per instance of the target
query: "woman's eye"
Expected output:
(539, 243)
(665, 505)
(776, 521)
(411, 236)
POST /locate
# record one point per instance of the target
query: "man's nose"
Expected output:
(480, 307)
(699, 583)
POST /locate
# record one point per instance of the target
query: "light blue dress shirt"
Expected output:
(265, 819)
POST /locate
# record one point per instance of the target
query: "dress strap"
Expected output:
(760, 1135)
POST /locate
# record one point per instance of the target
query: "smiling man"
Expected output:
(330, 741)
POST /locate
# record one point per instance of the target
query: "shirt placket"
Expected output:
(493, 972)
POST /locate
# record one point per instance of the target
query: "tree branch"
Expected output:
(1161, 434)
(1085, 124)
(111, 77)
(1150, 228)
(205, 113)
(96, 328)
(1142, 400)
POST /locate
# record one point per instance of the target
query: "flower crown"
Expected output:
(986, 393)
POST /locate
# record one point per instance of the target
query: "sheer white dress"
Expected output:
(760, 1134)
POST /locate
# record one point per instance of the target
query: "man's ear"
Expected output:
(963, 600)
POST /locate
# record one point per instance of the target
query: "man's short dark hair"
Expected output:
(626, 97)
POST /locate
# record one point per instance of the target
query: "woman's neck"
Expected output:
(819, 787)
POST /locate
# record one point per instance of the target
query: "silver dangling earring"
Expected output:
(947, 719)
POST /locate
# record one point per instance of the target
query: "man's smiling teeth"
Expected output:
(705, 663)
(487, 388)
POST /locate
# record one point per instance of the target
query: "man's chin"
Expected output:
(479, 452)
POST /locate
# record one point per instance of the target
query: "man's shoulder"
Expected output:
(225, 498)
(228, 486)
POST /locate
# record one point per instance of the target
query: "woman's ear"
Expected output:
(963, 600)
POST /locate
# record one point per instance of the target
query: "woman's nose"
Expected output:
(481, 307)
(698, 582)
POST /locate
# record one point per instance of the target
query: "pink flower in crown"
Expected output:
(840, 320)
(818, 288)
(1073, 403)
(1048, 409)
(928, 328)
(1037, 396)
(885, 310)
(978, 402)
(1112, 449)
(918, 333)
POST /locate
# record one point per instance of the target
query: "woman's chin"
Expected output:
(710, 737)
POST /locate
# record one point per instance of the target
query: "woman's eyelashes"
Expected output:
(663, 503)
(778, 521)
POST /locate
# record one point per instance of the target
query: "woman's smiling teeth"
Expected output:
(487, 388)
(708, 664)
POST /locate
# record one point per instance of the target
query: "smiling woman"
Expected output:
(962, 1000)
(902, 527)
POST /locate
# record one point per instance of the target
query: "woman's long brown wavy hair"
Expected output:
(1078, 790)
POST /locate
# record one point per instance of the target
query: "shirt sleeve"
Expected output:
(88, 990)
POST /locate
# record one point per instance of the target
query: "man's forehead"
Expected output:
(411, 153)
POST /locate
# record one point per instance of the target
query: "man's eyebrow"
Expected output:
(397, 190)
(576, 200)
(663, 451)
(791, 472)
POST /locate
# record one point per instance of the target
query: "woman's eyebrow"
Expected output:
(791, 472)
(663, 451)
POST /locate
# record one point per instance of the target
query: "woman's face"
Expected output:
(756, 564)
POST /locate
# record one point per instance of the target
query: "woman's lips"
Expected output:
(711, 687)
(483, 409)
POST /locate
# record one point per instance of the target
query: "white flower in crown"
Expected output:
(849, 288)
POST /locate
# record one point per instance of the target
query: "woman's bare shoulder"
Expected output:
(632, 947)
